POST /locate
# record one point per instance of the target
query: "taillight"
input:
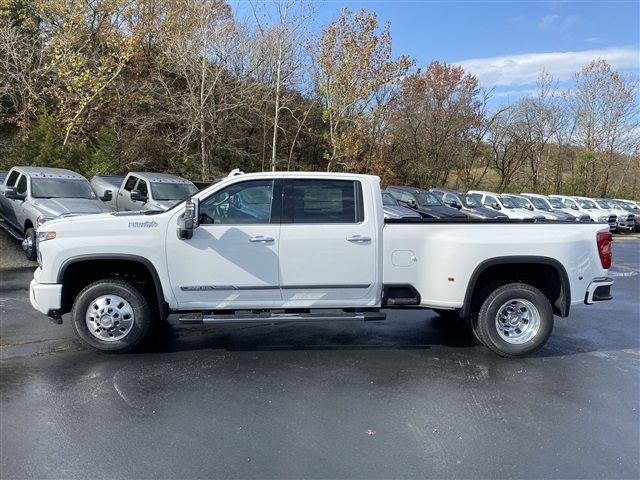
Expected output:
(604, 240)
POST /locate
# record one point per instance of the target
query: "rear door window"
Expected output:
(323, 201)
(11, 181)
(489, 201)
(131, 181)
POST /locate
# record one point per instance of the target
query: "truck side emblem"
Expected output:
(145, 224)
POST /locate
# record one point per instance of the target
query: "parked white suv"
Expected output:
(504, 204)
(626, 219)
(589, 207)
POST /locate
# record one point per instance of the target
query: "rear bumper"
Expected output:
(46, 298)
(599, 290)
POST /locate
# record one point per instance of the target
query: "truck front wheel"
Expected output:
(111, 316)
(29, 244)
(515, 319)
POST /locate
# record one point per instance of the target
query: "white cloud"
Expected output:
(524, 69)
(548, 20)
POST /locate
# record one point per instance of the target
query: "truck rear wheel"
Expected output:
(111, 316)
(515, 319)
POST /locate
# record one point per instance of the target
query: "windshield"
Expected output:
(61, 188)
(470, 201)
(586, 203)
(605, 204)
(507, 202)
(389, 200)
(556, 203)
(520, 202)
(540, 203)
(172, 191)
(426, 199)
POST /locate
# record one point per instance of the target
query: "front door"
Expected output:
(328, 246)
(232, 259)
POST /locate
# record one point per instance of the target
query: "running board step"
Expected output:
(7, 228)
(402, 301)
(198, 318)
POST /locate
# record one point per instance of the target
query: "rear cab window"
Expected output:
(316, 201)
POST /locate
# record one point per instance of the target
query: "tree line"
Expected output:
(189, 87)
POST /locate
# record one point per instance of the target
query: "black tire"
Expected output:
(484, 322)
(30, 252)
(103, 288)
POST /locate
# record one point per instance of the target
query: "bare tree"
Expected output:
(22, 72)
(510, 147)
(281, 24)
(605, 113)
(206, 67)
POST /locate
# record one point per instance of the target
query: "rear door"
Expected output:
(329, 245)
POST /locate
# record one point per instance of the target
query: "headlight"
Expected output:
(44, 236)
(603, 218)
(43, 219)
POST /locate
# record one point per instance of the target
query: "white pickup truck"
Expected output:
(312, 246)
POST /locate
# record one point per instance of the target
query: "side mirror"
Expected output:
(189, 219)
(574, 206)
(107, 196)
(529, 207)
(454, 204)
(495, 206)
(12, 194)
(137, 196)
(412, 203)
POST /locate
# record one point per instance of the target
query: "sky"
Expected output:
(507, 43)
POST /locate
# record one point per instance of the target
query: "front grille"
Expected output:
(630, 218)
(612, 219)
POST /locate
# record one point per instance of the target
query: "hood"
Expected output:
(394, 211)
(161, 204)
(550, 215)
(483, 212)
(529, 214)
(441, 212)
(61, 206)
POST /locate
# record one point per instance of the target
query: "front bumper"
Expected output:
(46, 298)
(599, 290)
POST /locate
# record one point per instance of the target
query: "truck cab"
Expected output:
(143, 191)
(32, 196)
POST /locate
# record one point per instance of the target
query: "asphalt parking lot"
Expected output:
(411, 397)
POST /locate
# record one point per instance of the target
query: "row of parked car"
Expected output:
(31, 196)
(407, 202)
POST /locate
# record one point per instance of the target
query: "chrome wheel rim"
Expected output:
(27, 244)
(517, 321)
(109, 318)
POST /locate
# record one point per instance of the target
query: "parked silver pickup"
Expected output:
(143, 190)
(31, 196)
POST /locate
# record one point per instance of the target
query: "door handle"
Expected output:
(358, 239)
(262, 239)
